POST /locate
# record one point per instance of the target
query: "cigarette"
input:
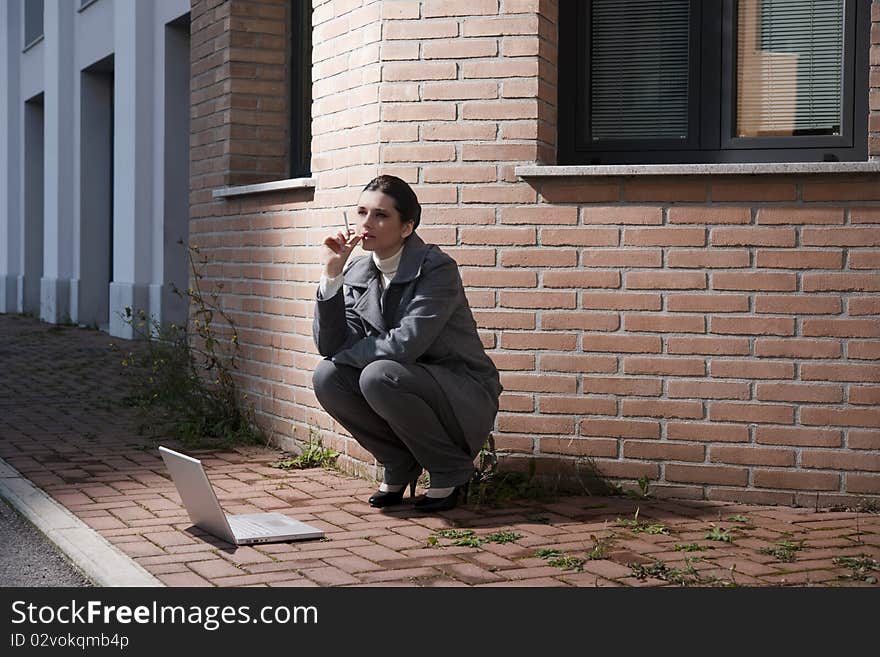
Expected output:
(347, 229)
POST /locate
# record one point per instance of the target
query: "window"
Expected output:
(654, 81)
(301, 89)
(33, 21)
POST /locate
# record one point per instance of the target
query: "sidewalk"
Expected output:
(62, 428)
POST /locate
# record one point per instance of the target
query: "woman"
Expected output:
(404, 369)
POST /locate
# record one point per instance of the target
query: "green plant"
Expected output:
(468, 538)
(503, 537)
(644, 489)
(546, 553)
(737, 518)
(689, 547)
(718, 534)
(861, 566)
(566, 562)
(783, 550)
(314, 455)
(186, 379)
(640, 527)
(600, 548)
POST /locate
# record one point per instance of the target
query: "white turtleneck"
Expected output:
(327, 287)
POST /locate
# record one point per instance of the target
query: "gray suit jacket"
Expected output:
(426, 320)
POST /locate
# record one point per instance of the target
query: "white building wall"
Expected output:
(75, 38)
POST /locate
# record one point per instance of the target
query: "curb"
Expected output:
(97, 558)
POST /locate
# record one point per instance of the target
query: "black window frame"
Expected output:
(712, 101)
(34, 12)
(300, 67)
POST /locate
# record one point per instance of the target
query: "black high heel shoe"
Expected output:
(381, 499)
(425, 503)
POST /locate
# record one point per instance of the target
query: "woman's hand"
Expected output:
(335, 251)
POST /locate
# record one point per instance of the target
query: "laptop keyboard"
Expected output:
(244, 528)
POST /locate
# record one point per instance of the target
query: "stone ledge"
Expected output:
(786, 168)
(274, 186)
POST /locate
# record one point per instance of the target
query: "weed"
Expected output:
(503, 537)
(190, 376)
(567, 563)
(861, 566)
(719, 534)
(658, 570)
(864, 505)
(545, 553)
(601, 545)
(315, 455)
(737, 518)
(783, 550)
(640, 527)
(689, 547)
(644, 485)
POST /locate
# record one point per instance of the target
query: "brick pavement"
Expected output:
(62, 426)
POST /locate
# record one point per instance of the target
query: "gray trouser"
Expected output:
(399, 414)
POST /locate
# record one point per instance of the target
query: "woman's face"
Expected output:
(380, 223)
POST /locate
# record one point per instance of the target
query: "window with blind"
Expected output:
(652, 81)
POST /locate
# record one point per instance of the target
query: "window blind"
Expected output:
(639, 69)
(789, 67)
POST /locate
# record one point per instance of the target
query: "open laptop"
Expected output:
(204, 510)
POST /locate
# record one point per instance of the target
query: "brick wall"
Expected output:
(717, 334)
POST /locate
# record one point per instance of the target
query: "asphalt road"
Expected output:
(28, 558)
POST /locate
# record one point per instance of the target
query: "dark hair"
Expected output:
(405, 199)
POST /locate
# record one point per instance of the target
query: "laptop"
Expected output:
(204, 510)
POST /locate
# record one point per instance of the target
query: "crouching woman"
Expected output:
(404, 370)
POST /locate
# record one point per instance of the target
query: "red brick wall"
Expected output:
(718, 334)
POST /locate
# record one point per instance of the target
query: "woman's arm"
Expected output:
(436, 298)
(335, 325)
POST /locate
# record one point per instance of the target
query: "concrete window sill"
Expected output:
(784, 168)
(259, 188)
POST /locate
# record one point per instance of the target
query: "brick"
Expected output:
(752, 237)
(621, 215)
(620, 301)
(649, 280)
(840, 237)
(701, 258)
(512, 320)
(844, 328)
(864, 259)
(798, 392)
(459, 49)
(867, 350)
(536, 424)
(707, 302)
(662, 408)
(420, 29)
(664, 323)
(538, 383)
(537, 257)
(553, 341)
(707, 432)
(501, 26)
(757, 413)
(743, 369)
(577, 405)
(849, 417)
(484, 277)
(626, 470)
(622, 258)
(799, 259)
(803, 215)
(709, 215)
(623, 344)
(707, 345)
(866, 215)
(538, 299)
(640, 191)
(665, 366)
(751, 325)
(663, 451)
(579, 446)
(864, 395)
(577, 363)
(499, 236)
(832, 460)
(841, 282)
(706, 474)
(798, 436)
(793, 348)
(577, 191)
(664, 236)
(498, 111)
(834, 372)
(581, 279)
(512, 152)
(619, 428)
(751, 455)
(622, 386)
(862, 483)
(537, 214)
(580, 236)
(741, 191)
(702, 389)
(797, 305)
(580, 320)
(843, 191)
(757, 281)
(796, 480)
